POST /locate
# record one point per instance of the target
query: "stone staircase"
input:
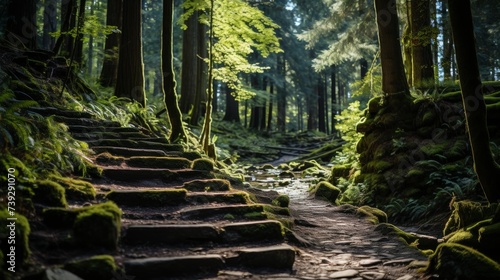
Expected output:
(181, 218)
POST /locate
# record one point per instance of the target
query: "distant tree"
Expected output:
(232, 113)
(49, 24)
(110, 62)
(130, 75)
(486, 168)
(65, 43)
(20, 30)
(169, 84)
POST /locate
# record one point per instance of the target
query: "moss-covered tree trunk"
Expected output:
(486, 168)
(110, 61)
(169, 84)
(420, 42)
(130, 77)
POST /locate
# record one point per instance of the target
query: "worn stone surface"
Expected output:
(153, 234)
(161, 267)
(253, 231)
(278, 257)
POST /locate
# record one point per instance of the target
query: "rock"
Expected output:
(211, 211)
(158, 162)
(171, 266)
(327, 191)
(369, 262)
(349, 273)
(406, 277)
(215, 185)
(399, 262)
(154, 234)
(373, 275)
(211, 197)
(101, 267)
(277, 257)
(58, 274)
(203, 164)
(457, 261)
(372, 214)
(251, 231)
(149, 198)
(129, 152)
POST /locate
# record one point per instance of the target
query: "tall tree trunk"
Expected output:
(486, 168)
(321, 103)
(130, 77)
(20, 30)
(270, 112)
(421, 52)
(167, 65)
(77, 56)
(333, 81)
(281, 94)
(201, 75)
(232, 106)
(446, 61)
(110, 63)
(394, 84)
(90, 48)
(49, 24)
(189, 63)
(68, 14)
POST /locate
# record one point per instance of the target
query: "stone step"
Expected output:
(238, 197)
(268, 230)
(100, 129)
(159, 162)
(149, 198)
(89, 136)
(50, 111)
(143, 144)
(161, 267)
(271, 257)
(130, 152)
(215, 185)
(253, 211)
(134, 175)
(86, 122)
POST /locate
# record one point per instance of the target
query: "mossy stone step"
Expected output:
(97, 129)
(215, 185)
(127, 143)
(130, 152)
(49, 111)
(218, 197)
(135, 174)
(149, 268)
(170, 234)
(243, 210)
(86, 122)
(89, 136)
(269, 230)
(149, 198)
(272, 257)
(158, 162)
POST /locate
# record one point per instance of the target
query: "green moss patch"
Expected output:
(374, 215)
(21, 230)
(102, 267)
(76, 189)
(466, 213)
(456, 261)
(109, 159)
(228, 198)
(282, 201)
(150, 198)
(98, 227)
(50, 193)
(253, 231)
(421, 242)
(65, 218)
(203, 164)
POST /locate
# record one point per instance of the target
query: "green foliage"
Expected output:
(237, 35)
(346, 125)
(22, 231)
(92, 27)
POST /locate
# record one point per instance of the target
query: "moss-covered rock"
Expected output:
(282, 200)
(159, 162)
(50, 193)
(203, 164)
(101, 267)
(374, 215)
(109, 159)
(466, 213)
(20, 228)
(326, 191)
(98, 226)
(215, 185)
(455, 261)
(339, 171)
(378, 166)
(421, 242)
(77, 189)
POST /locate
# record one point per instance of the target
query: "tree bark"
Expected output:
(49, 24)
(486, 168)
(110, 62)
(189, 63)
(130, 77)
(281, 94)
(321, 103)
(232, 106)
(421, 53)
(167, 65)
(20, 30)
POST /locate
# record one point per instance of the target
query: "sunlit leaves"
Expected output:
(238, 33)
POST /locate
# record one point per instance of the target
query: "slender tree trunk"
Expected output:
(130, 77)
(333, 81)
(281, 94)
(90, 48)
(486, 168)
(394, 84)
(68, 13)
(232, 106)
(421, 52)
(169, 84)
(49, 24)
(110, 63)
(321, 103)
(270, 113)
(78, 51)
(446, 61)
(200, 95)
(21, 27)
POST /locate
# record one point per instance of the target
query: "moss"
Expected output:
(466, 213)
(22, 231)
(109, 159)
(307, 164)
(98, 226)
(266, 166)
(456, 261)
(102, 267)
(373, 215)
(327, 191)
(148, 198)
(256, 216)
(465, 238)
(458, 150)
(374, 105)
(282, 200)
(342, 170)
(50, 193)
(277, 210)
(77, 189)
(229, 217)
(378, 166)
(159, 162)
(203, 164)
(432, 149)
(269, 230)
(216, 185)
(284, 166)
